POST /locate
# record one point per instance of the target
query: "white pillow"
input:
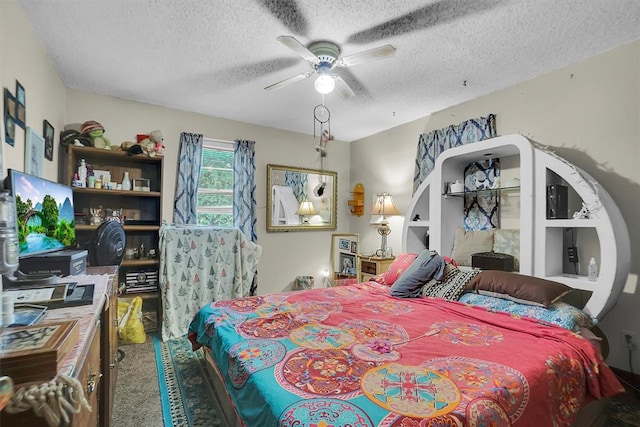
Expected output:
(467, 243)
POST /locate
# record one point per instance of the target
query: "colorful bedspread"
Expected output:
(353, 355)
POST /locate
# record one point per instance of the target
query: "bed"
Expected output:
(356, 355)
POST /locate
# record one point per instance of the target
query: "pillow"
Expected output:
(558, 313)
(470, 242)
(518, 287)
(507, 241)
(452, 284)
(427, 265)
(397, 267)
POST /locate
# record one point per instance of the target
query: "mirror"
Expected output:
(300, 199)
(344, 259)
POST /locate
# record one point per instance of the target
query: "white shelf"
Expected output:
(542, 241)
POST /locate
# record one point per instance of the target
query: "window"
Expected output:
(215, 187)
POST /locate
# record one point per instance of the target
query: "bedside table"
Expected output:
(372, 266)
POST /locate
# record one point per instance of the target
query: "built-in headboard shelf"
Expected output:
(543, 241)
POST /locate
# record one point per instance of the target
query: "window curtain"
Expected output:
(189, 163)
(244, 194)
(244, 188)
(297, 181)
(432, 144)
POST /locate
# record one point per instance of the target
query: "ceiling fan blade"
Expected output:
(298, 48)
(342, 88)
(290, 80)
(287, 12)
(436, 13)
(381, 52)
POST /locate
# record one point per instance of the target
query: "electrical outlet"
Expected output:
(628, 339)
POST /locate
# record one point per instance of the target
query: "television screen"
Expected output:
(44, 213)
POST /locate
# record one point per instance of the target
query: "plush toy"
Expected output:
(153, 145)
(95, 131)
(131, 148)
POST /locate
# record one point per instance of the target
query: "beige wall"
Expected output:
(588, 112)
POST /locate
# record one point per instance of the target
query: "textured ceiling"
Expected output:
(216, 57)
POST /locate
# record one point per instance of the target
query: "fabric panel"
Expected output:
(187, 179)
(467, 243)
(518, 287)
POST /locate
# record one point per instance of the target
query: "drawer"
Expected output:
(368, 267)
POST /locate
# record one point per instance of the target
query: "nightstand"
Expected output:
(372, 266)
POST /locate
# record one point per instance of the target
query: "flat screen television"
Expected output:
(44, 213)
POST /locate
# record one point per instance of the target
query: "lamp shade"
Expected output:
(384, 206)
(306, 208)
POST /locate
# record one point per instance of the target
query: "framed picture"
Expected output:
(21, 105)
(347, 263)
(354, 247)
(9, 117)
(345, 245)
(33, 153)
(48, 134)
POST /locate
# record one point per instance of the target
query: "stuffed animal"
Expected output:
(95, 131)
(153, 145)
(131, 148)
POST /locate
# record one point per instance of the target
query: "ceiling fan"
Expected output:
(324, 57)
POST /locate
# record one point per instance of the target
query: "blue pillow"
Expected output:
(426, 266)
(558, 313)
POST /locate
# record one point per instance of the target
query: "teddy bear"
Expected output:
(95, 131)
(153, 145)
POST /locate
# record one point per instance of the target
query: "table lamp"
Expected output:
(306, 208)
(383, 208)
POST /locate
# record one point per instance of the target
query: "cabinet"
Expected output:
(141, 210)
(93, 361)
(543, 241)
(372, 266)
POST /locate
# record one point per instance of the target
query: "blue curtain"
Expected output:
(189, 162)
(297, 181)
(244, 188)
(432, 144)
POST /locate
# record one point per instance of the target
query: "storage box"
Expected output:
(34, 353)
(492, 261)
(69, 262)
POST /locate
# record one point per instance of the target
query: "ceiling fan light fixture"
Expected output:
(324, 84)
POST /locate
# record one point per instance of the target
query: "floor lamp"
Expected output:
(383, 208)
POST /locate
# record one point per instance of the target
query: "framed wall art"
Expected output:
(21, 105)
(33, 152)
(9, 117)
(345, 245)
(49, 135)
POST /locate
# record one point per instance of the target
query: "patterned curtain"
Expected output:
(244, 188)
(432, 144)
(189, 162)
(297, 181)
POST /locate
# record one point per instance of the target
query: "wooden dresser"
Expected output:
(93, 360)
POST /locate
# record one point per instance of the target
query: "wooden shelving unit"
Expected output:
(142, 210)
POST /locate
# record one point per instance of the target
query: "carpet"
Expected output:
(188, 399)
(186, 392)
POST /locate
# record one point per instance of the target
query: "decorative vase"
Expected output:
(126, 182)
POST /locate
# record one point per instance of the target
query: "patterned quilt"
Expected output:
(353, 355)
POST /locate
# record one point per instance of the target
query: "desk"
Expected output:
(92, 361)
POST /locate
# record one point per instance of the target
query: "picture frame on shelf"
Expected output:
(21, 105)
(9, 117)
(48, 132)
(33, 152)
(345, 245)
(354, 247)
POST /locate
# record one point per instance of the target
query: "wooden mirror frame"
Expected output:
(326, 203)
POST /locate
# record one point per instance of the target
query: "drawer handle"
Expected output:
(91, 382)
